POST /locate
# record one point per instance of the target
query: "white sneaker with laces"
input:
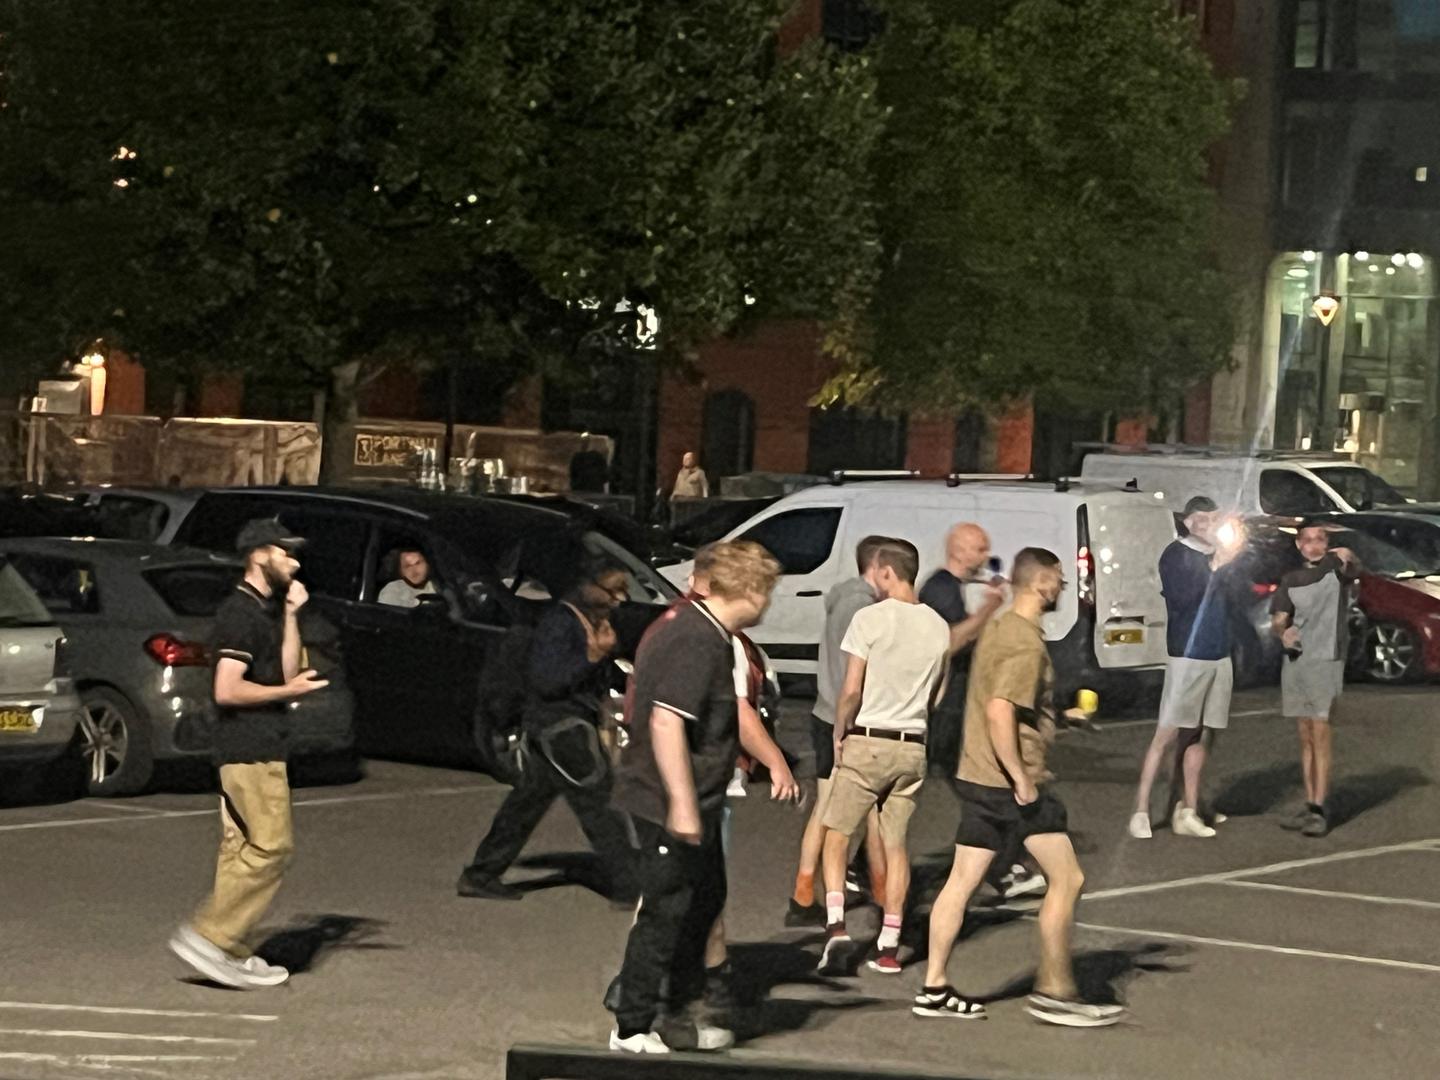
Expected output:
(645, 1043)
(1140, 826)
(209, 960)
(1020, 882)
(1186, 822)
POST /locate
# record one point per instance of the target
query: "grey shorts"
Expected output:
(1310, 687)
(1196, 692)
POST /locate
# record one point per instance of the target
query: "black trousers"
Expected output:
(519, 815)
(682, 893)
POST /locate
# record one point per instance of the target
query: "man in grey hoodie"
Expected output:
(841, 604)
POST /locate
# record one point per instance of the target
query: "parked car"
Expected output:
(436, 682)
(1395, 628)
(24, 512)
(1285, 485)
(137, 619)
(151, 515)
(1108, 632)
(39, 709)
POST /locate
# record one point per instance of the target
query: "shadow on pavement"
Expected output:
(1260, 790)
(1102, 975)
(762, 966)
(303, 946)
(1355, 795)
(583, 868)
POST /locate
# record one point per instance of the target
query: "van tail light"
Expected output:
(169, 650)
(1262, 590)
(1085, 574)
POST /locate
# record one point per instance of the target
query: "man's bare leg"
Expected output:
(1322, 738)
(1306, 729)
(1194, 757)
(1055, 854)
(1154, 758)
(948, 913)
(812, 843)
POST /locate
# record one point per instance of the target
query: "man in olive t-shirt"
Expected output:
(1009, 722)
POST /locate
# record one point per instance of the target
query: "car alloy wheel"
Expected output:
(106, 740)
(1390, 652)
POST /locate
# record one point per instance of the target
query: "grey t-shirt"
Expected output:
(1317, 599)
(841, 604)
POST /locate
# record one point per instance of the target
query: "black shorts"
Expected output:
(990, 816)
(822, 739)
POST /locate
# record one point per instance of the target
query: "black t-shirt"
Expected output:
(686, 664)
(251, 628)
(944, 594)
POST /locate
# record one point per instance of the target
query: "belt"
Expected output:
(885, 733)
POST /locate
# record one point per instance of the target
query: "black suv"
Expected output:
(417, 673)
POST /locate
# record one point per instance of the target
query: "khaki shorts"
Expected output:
(1196, 692)
(883, 772)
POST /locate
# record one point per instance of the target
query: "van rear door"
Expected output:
(1127, 533)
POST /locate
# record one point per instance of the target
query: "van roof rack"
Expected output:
(1193, 450)
(954, 479)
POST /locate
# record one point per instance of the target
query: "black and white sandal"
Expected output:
(946, 1001)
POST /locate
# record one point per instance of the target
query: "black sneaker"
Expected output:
(720, 990)
(800, 915)
(687, 1033)
(485, 888)
(1315, 825)
(1065, 1012)
(835, 958)
(1296, 822)
(946, 1001)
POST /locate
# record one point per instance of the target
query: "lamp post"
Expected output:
(1325, 307)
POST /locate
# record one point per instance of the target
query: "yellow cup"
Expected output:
(1087, 701)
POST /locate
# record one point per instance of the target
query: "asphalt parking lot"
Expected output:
(1256, 954)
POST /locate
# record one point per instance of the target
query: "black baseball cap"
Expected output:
(265, 532)
(1200, 504)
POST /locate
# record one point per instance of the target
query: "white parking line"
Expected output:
(127, 807)
(1253, 946)
(115, 1010)
(387, 796)
(1398, 901)
(1256, 871)
(106, 1059)
(125, 1036)
(1102, 726)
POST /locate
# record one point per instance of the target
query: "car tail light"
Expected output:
(1262, 590)
(169, 650)
(1085, 574)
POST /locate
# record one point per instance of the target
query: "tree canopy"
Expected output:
(1047, 225)
(295, 189)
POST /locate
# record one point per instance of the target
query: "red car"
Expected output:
(1399, 593)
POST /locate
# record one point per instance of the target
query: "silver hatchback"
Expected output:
(39, 709)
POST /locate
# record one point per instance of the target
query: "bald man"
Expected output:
(967, 555)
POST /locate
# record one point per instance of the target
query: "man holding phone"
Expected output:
(256, 641)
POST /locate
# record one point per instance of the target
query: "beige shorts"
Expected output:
(1196, 692)
(886, 773)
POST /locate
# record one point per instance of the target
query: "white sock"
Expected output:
(889, 932)
(834, 908)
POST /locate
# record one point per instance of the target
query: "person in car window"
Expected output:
(256, 640)
(414, 580)
(566, 669)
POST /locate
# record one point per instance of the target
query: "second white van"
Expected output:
(1108, 631)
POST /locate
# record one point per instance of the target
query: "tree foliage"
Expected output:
(1047, 225)
(308, 187)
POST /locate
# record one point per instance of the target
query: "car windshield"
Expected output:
(1377, 556)
(19, 606)
(1360, 487)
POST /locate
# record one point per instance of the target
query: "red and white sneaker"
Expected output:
(886, 961)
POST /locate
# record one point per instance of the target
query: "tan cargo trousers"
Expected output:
(256, 843)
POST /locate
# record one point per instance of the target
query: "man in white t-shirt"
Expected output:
(414, 580)
(897, 654)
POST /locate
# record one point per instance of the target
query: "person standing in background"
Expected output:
(690, 482)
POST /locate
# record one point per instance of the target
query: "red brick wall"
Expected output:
(1197, 415)
(124, 385)
(394, 394)
(778, 364)
(1013, 432)
(930, 444)
(802, 24)
(220, 395)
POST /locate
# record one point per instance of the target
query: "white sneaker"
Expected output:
(736, 789)
(262, 974)
(645, 1043)
(1187, 823)
(1020, 882)
(211, 961)
(1140, 826)
(1219, 818)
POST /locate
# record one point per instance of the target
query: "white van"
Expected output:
(1282, 485)
(1109, 628)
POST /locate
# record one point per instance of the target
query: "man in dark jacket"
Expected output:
(566, 673)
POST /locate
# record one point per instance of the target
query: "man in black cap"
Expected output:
(256, 642)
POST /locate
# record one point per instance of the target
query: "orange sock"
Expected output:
(804, 894)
